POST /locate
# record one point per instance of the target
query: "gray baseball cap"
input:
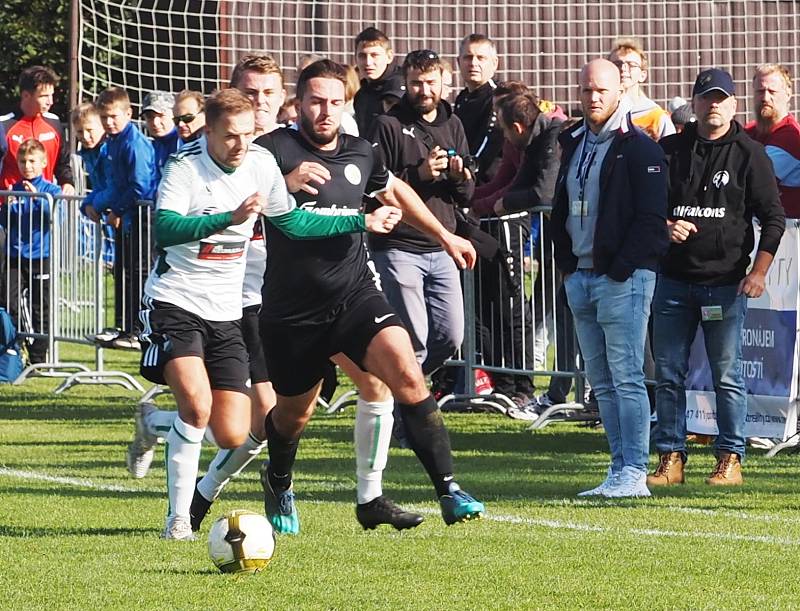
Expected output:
(158, 101)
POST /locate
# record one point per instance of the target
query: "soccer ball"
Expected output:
(241, 542)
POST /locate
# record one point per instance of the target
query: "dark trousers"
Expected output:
(566, 348)
(33, 276)
(505, 325)
(131, 266)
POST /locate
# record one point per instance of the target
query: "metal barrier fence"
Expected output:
(54, 270)
(92, 277)
(518, 325)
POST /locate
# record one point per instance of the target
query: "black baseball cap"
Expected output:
(714, 79)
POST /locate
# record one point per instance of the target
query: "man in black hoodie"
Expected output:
(719, 178)
(381, 78)
(421, 141)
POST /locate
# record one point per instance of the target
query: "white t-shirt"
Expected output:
(206, 277)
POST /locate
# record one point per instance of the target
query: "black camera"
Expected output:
(471, 163)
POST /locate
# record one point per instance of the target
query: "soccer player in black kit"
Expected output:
(320, 299)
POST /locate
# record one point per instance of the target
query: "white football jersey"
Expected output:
(255, 268)
(206, 276)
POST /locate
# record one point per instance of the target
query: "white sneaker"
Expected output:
(178, 528)
(600, 490)
(630, 483)
(142, 449)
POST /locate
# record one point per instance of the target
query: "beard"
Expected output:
(307, 126)
(425, 105)
(767, 114)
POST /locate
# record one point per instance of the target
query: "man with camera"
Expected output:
(421, 141)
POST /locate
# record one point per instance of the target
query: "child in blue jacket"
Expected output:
(132, 181)
(27, 223)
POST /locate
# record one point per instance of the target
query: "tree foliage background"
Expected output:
(33, 32)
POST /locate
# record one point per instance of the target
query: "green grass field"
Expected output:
(77, 533)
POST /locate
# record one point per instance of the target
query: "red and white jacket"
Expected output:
(46, 128)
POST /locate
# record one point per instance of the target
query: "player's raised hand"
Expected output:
(249, 208)
(461, 250)
(28, 186)
(383, 220)
(304, 176)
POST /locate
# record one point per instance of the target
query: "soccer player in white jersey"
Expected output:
(209, 198)
(259, 77)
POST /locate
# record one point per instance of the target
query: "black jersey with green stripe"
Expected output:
(306, 280)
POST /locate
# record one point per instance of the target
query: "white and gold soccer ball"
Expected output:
(241, 542)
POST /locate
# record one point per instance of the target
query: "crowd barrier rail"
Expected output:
(516, 326)
(65, 301)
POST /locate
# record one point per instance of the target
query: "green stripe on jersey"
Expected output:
(299, 224)
(173, 228)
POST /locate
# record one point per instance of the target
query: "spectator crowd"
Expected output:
(648, 214)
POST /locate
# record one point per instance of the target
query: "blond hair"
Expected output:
(626, 45)
(783, 71)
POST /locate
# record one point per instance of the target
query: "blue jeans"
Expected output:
(676, 314)
(425, 290)
(611, 324)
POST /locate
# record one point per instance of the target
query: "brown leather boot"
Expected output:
(728, 471)
(669, 470)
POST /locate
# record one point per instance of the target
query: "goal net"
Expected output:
(177, 44)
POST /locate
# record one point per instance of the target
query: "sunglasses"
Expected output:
(187, 118)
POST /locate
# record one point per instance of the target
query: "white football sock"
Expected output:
(159, 421)
(182, 456)
(372, 434)
(227, 464)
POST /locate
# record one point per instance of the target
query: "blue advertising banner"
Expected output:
(769, 354)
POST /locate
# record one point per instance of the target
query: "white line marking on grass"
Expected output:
(507, 519)
(647, 532)
(67, 481)
(719, 513)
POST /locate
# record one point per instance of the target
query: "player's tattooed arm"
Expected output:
(400, 194)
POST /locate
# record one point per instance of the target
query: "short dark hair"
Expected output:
(322, 68)
(226, 102)
(520, 108)
(509, 88)
(373, 36)
(112, 96)
(31, 78)
(262, 63)
(476, 39)
(423, 60)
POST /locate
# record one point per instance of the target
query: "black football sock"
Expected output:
(430, 441)
(282, 452)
